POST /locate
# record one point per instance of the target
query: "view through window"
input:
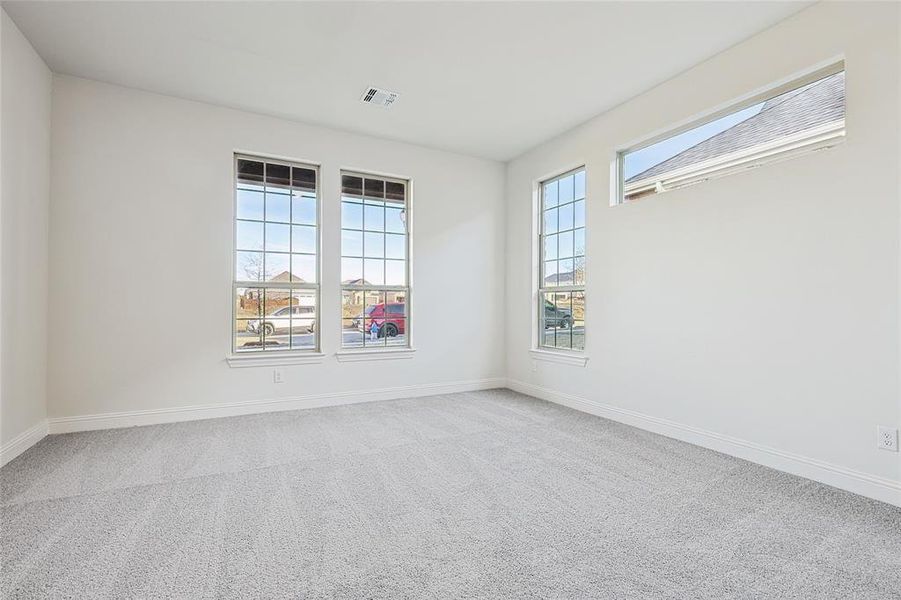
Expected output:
(561, 291)
(276, 288)
(374, 262)
(807, 117)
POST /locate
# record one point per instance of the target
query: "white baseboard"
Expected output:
(22, 442)
(879, 488)
(231, 409)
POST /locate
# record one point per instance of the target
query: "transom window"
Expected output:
(805, 115)
(276, 283)
(375, 278)
(561, 240)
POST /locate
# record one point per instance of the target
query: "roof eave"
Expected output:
(822, 136)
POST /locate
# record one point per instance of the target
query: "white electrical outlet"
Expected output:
(277, 376)
(887, 438)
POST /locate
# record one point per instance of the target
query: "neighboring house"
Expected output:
(813, 108)
(357, 295)
(275, 298)
(355, 282)
(567, 278)
(354, 301)
(285, 277)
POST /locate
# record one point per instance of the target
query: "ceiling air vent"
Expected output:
(378, 97)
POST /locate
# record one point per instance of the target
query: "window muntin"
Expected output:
(375, 276)
(276, 289)
(561, 243)
(806, 115)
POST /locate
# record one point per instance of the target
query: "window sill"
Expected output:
(268, 360)
(364, 355)
(564, 358)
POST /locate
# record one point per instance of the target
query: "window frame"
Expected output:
(350, 353)
(817, 138)
(576, 356)
(264, 356)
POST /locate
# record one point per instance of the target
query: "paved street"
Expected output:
(351, 338)
(562, 339)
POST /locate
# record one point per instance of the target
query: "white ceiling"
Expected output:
(485, 79)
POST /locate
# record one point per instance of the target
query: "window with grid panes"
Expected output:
(561, 286)
(375, 278)
(276, 283)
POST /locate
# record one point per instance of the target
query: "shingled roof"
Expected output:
(814, 104)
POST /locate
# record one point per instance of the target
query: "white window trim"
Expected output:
(253, 358)
(351, 354)
(389, 353)
(263, 359)
(537, 258)
(575, 358)
(811, 140)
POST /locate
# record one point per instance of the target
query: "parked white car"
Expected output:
(280, 321)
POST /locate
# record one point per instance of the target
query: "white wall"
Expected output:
(25, 174)
(141, 219)
(761, 307)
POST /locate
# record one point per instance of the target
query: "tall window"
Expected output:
(561, 240)
(276, 289)
(806, 115)
(375, 279)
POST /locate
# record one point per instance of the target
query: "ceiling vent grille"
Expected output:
(378, 97)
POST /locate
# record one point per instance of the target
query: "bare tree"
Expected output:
(252, 264)
(579, 265)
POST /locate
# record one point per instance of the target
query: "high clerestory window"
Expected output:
(804, 115)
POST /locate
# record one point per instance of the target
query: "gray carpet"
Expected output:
(476, 495)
